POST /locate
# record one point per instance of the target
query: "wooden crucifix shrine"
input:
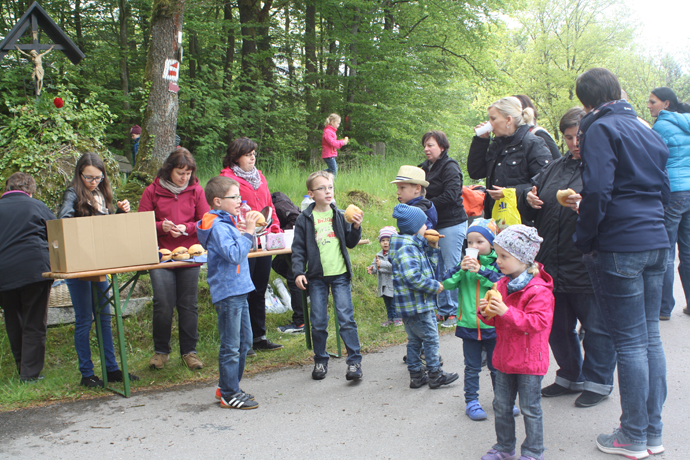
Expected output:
(37, 18)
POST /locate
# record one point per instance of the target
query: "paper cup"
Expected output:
(487, 128)
(472, 252)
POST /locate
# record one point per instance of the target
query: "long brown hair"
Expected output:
(178, 158)
(84, 195)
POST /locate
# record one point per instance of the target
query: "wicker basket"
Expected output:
(59, 297)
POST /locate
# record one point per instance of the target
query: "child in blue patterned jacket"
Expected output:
(381, 266)
(414, 263)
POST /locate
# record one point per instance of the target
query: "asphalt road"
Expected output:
(298, 418)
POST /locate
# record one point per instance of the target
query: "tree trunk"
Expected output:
(288, 48)
(124, 69)
(160, 118)
(310, 76)
(352, 86)
(230, 49)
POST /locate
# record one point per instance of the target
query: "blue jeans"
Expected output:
(472, 350)
(451, 252)
(235, 332)
(628, 289)
(331, 166)
(342, 300)
(595, 373)
(84, 313)
(422, 335)
(390, 309)
(508, 386)
(677, 222)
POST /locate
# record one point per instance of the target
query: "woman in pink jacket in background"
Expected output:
(523, 320)
(330, 143)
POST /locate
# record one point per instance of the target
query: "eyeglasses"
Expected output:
(232, 197)
(96, 179)
(323, 189)
(252, 153)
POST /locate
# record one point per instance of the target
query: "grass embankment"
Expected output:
(367, 186)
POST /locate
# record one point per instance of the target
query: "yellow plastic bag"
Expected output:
(505, 211)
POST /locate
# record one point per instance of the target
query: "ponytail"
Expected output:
(533, 269)
(528, 116)
(665, 93)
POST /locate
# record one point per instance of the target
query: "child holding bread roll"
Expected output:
(523, 319)
(382, 268)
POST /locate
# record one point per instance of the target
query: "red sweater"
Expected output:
(186, 208)
(522, 333)
(256, 199)
(330, 143)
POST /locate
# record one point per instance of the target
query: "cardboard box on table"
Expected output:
(101, 242)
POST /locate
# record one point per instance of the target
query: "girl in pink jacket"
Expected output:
(523, 320)
(330, 143)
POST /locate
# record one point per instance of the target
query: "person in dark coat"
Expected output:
(573, 290)
(512, 158)
(538, 130)
(24, 293)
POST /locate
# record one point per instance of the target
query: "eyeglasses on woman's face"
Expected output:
(96, 179)
(232, 197)
(251, 154)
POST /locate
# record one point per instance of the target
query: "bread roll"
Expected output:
(490, 294)
(351, 211)
(196, 250)
(261, 221)
(562, 195)
(164, 254)
(432, 236)
(180, 253)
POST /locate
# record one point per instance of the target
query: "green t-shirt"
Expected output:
(332, 259)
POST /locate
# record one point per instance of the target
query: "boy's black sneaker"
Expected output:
(91, 382)
(319, 372)
(438, 378)
(238, 401)
(418, 379)
(291, 328)
(116, 376)
(266, 344)
(354, 372)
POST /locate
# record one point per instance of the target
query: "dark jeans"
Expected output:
(422, 336)
(235, 341)
(508, 386)
(472, 350)
(595, 373)
(390, 309)
(282, 265)
(175, 287)
(628, 289)
(332, 166)
(26, 321)
(677, 222)
(260, 272)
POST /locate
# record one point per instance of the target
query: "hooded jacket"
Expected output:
(306, 257)
(556, 224)
(256, 199)
(428, 208)
(330, 143)
(472, 287)
(445, 190)
(624, 183)
(674, 129)
(509, 161)
(522, 333)
(228, 266)
(184, 209)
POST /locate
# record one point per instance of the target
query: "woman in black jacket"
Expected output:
(538, 130)
(573, 290)
(445, 191)
(512, 158)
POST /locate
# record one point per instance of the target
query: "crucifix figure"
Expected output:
(38, 72)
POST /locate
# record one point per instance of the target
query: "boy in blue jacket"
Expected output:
(229, 283)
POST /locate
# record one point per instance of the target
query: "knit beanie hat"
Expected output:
(520, 241)
(387, 232)
(485, 227)
(410, 219)
(136, 129)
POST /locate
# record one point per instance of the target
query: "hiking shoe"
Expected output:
(418, 379)
(555, 389)
(516, 411)
(451, 321)
(158, 361)
(91, 382)
(116, 376)
(291, 328)
(493, 454)
(266, 344)
(440, 318)
(686, 311)
(664, 318)
(589, 399)
(474, 411)
(192, 361)
(387, 323)
(654, 445)
(251, 352)
(238, 401)
(319, 372)
(354, 371)
(397, 322)
(438, 378)
(35, 379)
(618, 443)
(219, 395)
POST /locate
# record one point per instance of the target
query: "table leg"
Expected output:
(121, 336)
(99, 330)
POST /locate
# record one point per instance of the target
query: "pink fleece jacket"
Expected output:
(330, 143)
(522, 333)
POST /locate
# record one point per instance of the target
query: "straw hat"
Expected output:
(411, 175)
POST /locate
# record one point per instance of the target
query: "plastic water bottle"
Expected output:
(282, 292)
(244, 209)
(305, 203)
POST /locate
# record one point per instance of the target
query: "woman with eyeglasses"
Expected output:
(178, 201)
(89, 194)
(240, 164)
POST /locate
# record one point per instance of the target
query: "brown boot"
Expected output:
(192, 361)
(158, 361)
